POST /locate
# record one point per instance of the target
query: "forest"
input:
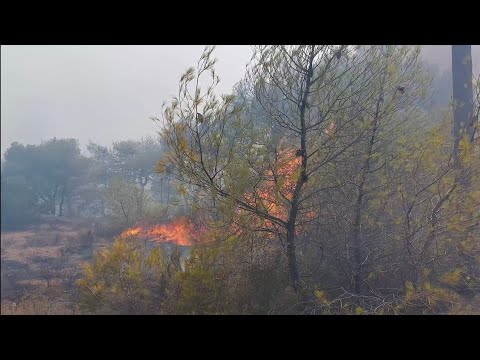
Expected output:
(333, 180)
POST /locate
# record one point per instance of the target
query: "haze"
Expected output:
(102, 93)
(332, 180)
(106, 93)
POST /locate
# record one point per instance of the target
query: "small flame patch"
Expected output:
(176, 232)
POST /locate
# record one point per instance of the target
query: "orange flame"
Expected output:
(268, 194)
(278, 182)
(178, 232)
(132, 231)
(278, 188)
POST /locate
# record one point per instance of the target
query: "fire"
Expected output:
(132, 232)
(273, 195)
(178, 232)
(268, 193)
(278, 188)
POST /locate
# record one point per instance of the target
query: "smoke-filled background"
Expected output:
(102, 93)
(326, 179)
(106, 93)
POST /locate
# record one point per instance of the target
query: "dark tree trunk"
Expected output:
(292, 257)
(462, 78)
(302, 179)
(357, 246)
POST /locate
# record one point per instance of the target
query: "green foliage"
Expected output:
(126, 201)
(218, 279)
(129, 278)
(135, 162)
(427, 299)
(43, 176)
(201, 290)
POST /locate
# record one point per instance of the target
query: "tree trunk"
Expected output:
(62, 200)
(292, 257)
(356, 233)
(357, 246)
(463, 117)
(53, 202)
(359, 203)
(143, 183)
(302, 179)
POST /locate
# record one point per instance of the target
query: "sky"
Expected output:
(106, 93)
(98, 93)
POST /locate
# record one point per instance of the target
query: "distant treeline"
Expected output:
(55, 179)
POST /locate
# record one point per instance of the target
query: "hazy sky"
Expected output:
(102, 93)
(106, 93)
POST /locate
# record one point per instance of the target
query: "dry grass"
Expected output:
(39, 305)
(40, 266)
(467, 307)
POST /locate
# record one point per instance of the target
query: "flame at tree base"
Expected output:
(176, 232)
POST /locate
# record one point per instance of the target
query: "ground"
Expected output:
(39, 265)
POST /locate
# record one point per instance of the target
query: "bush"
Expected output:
(231, 277)
(131, 277)
(126, 202)
(44, 300)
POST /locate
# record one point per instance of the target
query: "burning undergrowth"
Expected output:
(178, 232)
(272, 195)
